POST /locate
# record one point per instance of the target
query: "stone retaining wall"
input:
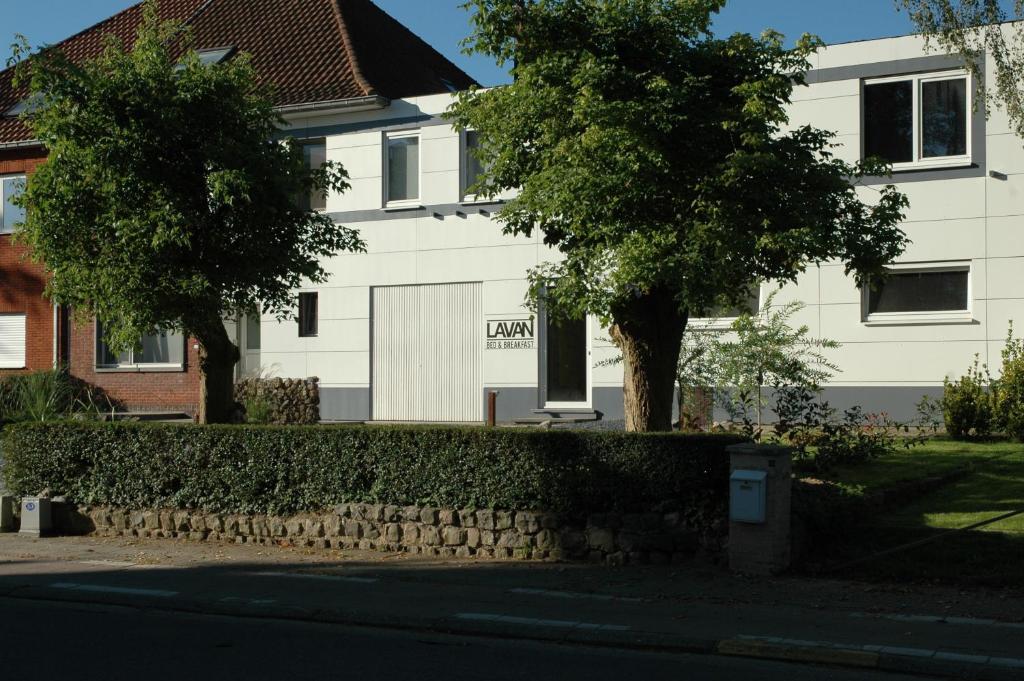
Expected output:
(292, 401)
(612, 538)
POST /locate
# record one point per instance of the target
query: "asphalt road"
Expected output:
(85, 642)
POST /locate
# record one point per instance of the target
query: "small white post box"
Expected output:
(35, 516)
(747, 495)
(6, 514)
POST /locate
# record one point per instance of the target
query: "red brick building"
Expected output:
(320, 56)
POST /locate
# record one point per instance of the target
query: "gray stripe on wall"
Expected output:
(898, 402)
(345, 404)
(437, 211)
(881, 69)
(385, 125)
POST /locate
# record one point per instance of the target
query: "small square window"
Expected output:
(10, 214)
(402, 168)
(918, 121)
(308, 313)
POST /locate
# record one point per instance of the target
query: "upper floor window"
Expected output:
(160, 350)
(308, 315)
(722, 315)
(918, 292)
(472, 168)
(315, 153)
(402, 168)
(918, 121)
(10, 214)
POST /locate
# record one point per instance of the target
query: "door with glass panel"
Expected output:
(565, 363)
(249, 344)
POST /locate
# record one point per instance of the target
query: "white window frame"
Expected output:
(918, 80)
(318, 141)
(589, 402)
(723, 323)
(135, 367)
(468, 198)
(925, 317)
(405, 203)
(14, 176)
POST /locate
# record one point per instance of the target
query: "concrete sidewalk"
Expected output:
(936, 631)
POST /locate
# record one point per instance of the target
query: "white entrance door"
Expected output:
(427, 353)
(249, 344)
(565, 363)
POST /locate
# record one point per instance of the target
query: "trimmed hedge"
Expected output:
(285, 470)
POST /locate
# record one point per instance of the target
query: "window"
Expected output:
(402, 169)
(315, 153)
(308, 314)
(918, 121)
(12, 341)
(721, 316)
(934, 292)
(10, 214)
(160, 350)
(252, 331)
(472, 168)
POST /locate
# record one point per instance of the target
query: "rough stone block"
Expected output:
(485, 519)
(393, 533)
(472, 537)
(431, 536)
(453, 536)
(488, 538)
(353, 529)
(463, 552)
(391, 514)
(331, 524)
(503, 520)
(547, 540)
(428, 516)
(411, 514)
(527, 522)
(214, 523)
(137, 520)
(448, 517)
(467, 518)
(293, 528)
(119, 521)
(410, 533)
(601, 539)
(513, 539)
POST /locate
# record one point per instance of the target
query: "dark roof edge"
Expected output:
(357, 71)
(25, 144)
(368, 102)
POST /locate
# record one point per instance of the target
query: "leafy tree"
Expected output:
(767, 350)
(166, 201)
(657, 159)
(972, 29)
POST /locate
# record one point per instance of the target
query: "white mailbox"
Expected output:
(747, 494)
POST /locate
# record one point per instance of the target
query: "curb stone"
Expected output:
(882, 658)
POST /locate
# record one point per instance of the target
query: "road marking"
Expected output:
(531, 621)
(938, 619)
(250, 601)
(324, 578)
(95, 588)
(108, 563)
(574, 595)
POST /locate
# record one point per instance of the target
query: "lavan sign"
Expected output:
(510, 334)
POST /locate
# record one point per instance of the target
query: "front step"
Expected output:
(150, 416)
(559, 416)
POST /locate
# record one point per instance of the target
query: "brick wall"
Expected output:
(137, 391)
(22, 282)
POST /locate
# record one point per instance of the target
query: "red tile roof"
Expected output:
(308, 50)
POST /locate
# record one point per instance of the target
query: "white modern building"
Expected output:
(431, 318)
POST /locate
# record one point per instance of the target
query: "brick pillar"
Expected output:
(762, 548)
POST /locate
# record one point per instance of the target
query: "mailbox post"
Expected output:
(760, 486)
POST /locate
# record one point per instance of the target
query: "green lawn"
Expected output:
(990, 556)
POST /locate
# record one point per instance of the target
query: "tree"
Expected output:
(654, 157)
(972, 29)
(767, 350)
(166, 201)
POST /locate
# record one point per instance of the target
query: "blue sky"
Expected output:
(443, 24)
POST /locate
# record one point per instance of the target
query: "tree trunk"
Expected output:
(217, 359)
(648, 332)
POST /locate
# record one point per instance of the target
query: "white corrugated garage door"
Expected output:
(427, 352)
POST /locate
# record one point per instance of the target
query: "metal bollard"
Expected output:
(492, 409)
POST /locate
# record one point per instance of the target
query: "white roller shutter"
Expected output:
(12, 341)
(427, 353)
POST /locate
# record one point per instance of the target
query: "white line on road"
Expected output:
(938, 619)
(326, 578)
(108, 563)
(574, 595)
(71, 586)
(530, 621)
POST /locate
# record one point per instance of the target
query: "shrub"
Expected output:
(1010, 388)
(48, 396)
(967, 405)
(284, 470)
